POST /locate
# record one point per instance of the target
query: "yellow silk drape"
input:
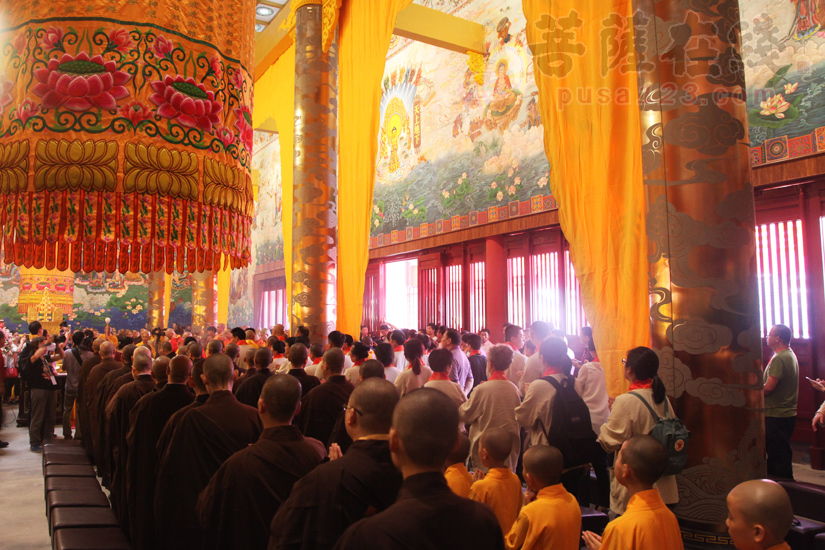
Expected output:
(594, 148)
(364, 37)
(275, 98)
(224, 283)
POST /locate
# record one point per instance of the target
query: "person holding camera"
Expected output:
(36, 366)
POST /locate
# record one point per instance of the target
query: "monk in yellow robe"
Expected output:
(759, 515)
(647, 523)
(553, 519)
(500, 489)
(457, 476)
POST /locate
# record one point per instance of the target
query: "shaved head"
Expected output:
(107, 349)
(96, 345)
(759, 502)
(376, 399)
(142, 364)
(218, 369)
(215, 346)
(334, 359)
(128, 352)
(180, 368)
(197, 380)
(263, 358)
(544, 463)
(281, 396)
(461, 452)
(143, 350)
(646, 457)
(159, 368)
(426, 424)
(371, 369)
(233, 351)
(498, 443)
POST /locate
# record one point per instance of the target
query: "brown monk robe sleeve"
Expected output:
(105, 392)
(237, 506)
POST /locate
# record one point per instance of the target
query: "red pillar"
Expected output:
(495, 288)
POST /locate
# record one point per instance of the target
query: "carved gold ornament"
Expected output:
(226, 187)
(14, 165)
(62, 165)
(158, 170)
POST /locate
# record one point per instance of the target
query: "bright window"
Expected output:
(402, 293)
(454, 298)
(574, 313)
(478, 310)
(545, 288)
(516, 291)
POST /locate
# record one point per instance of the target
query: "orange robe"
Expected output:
(500, 490)
(553, 520)
(647, 524)
(459, 479)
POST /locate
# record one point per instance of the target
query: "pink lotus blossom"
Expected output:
(20, 42)
(136, 112)
(244, 125)
(120, 40)
(80, 83)
(163, 47)
(215, 65)
(186, 101)
(791, 88)
(52, 39)
(26, 110)
(6, 92)
(238, 80)
(775, 106)
(226, 136)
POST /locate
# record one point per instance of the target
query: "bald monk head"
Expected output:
(263, 358)
(178, 369)
(333, 363)
(249, 358)
(640, 463)
(375, 399)
(214, 347)
(141, 364)
(424, 431)
(217, 373)
(461, 452)
(543, 466)
(160, 369)
(371, 369)
(232, 350)
(107, 350)
(197, 378)
(280, 400)
(166, 348)
(96, 345)
(128, 353)
(759, 514)
(495, 447)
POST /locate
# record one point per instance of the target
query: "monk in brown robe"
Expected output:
(105, 391)
(237, 506)
(297, 361)
(147, 419)
(337, 494)
(82, 412)
(118, 425)
(427, 514)
(160, 372)
(204, 438)
(251, 386)
(320, 407)
(91, 393)
(201, 395)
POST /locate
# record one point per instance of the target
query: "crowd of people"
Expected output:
(245, 438)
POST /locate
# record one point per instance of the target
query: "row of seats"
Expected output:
(808, 502)
(77, 509)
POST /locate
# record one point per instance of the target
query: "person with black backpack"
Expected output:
(36, 368)
(644, 410)
(555, 414)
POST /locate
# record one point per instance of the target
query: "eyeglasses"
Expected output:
(359, 413)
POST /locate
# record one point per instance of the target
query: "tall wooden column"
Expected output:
(204, 300)
(315, 177)
(156, 308)
(700, 225)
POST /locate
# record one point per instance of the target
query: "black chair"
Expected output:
(65, 459)
(103, 538)
(70, 484)
(77, 518)
(69, 470)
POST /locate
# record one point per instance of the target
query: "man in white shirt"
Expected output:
(514, 337)
(486, 344)
(539, 331)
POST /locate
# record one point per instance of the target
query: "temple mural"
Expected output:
(9, 294)
(180, 302)
(784, 56)
(120, 297)
(460, 138)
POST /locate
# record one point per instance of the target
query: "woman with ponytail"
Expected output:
(630, 416)
(416, 374)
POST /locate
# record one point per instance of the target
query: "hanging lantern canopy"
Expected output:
(125, 134)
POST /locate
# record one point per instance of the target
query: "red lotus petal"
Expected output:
(210, 95)
(188, 121)
(188, 106)
(105, 101)
(121, 77)
(99, 60)
(176, 100)
(119, 92)
(168, 80)
(157, 86)
(41, 89)
(42, 75)
(63, 59)
(62, 84)
(77, 104)
(215, 119)
(83, 56)
(110, 66)
(207, 107)
(216, 107)
(205, 124)
(78, 87)
(106, 79)
(168, 93)
(95, 84)
(52, 100)
(167, 111)
(178, 78)
(157, 99)
(200, 108)
(191, 80)
(53, 77)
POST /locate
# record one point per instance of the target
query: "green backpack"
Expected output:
(672, 433)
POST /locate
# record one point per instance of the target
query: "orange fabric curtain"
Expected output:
(364, 37)
(592, 137)
(275, 98)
